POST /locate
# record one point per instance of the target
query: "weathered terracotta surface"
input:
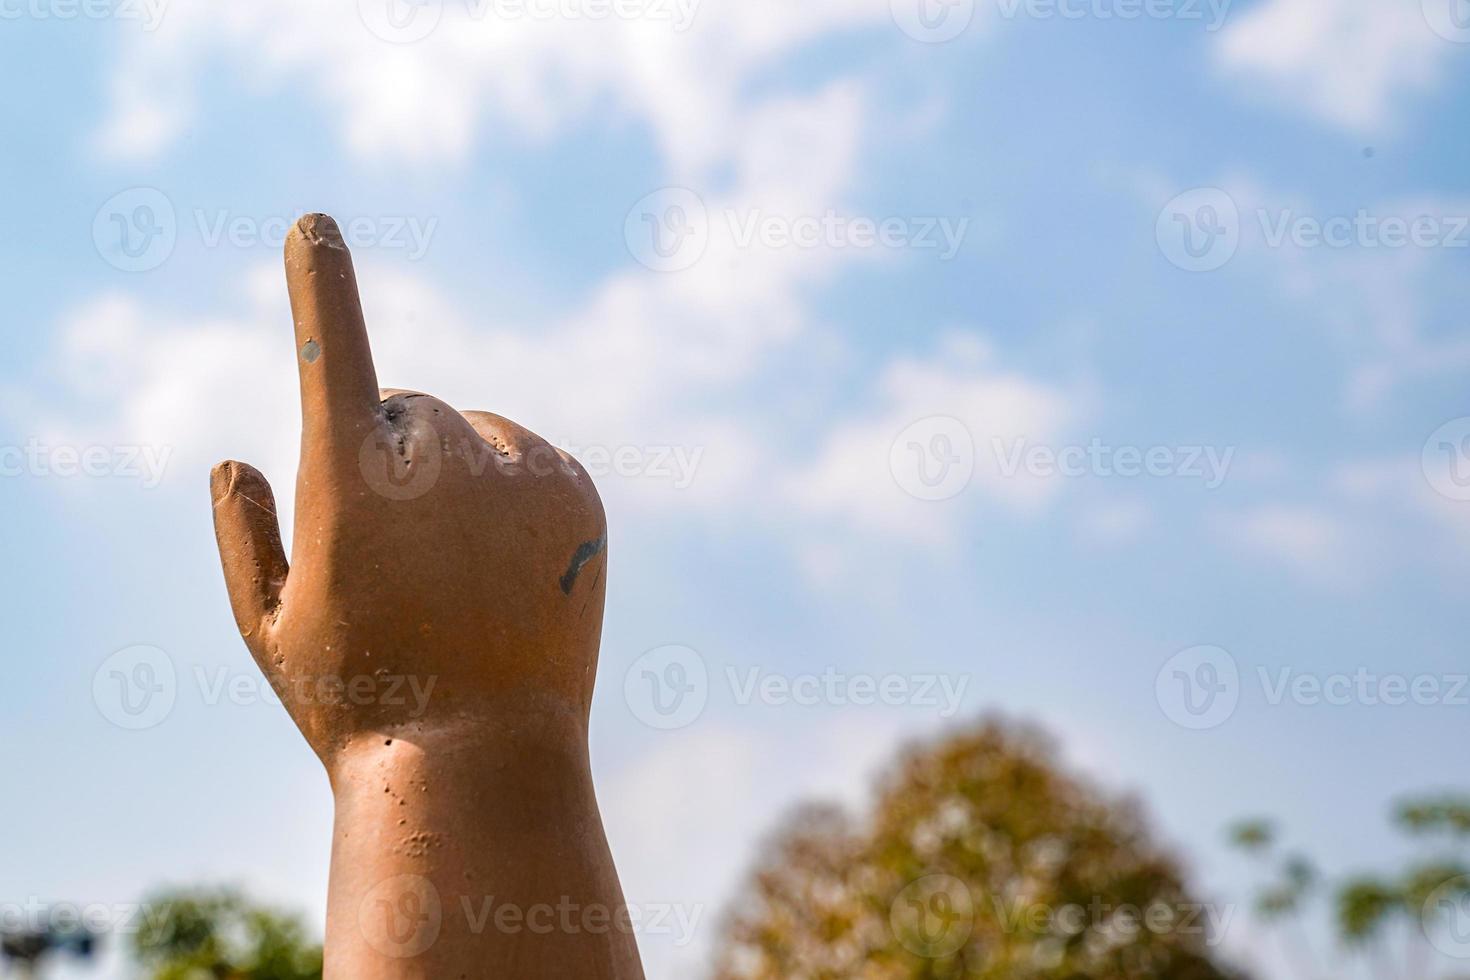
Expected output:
(435, 639)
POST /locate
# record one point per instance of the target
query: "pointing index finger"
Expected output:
(339, 388)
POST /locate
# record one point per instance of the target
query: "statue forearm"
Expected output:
(474, 857)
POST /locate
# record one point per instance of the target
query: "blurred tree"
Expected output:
(27, 946)
(1392, 921)
(217, 935)
(982, 859)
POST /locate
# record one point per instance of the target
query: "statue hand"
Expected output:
(447, 567)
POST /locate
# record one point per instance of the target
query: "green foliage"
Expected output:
(1448, 815)
(1296, 882)
(1366, 908)
(217, 935)
(982, 859)
(1446, 879)
(1253, 835)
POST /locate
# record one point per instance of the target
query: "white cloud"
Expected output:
(646, 359)
(647, 355)
(1399, 486)
(477, 73)
(851, 480)
(1377, 277)
(198, 390)
(1350, 62)
(1371, 518)
(643, 354)
(1115, 522)
(1313, 544)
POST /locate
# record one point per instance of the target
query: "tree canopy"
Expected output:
(208, 934)
(981, 859)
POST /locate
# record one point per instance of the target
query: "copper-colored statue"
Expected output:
(435, 639)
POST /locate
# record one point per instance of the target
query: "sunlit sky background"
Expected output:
(500, 168)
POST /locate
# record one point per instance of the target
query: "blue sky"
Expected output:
(506, 173)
